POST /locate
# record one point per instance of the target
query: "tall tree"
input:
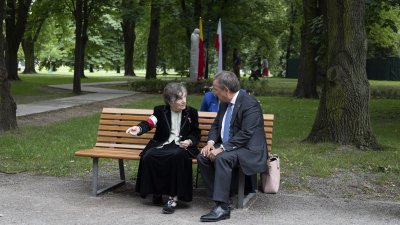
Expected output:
(343, 114)
(34, 25)
(17, 14)
(82, 10)
(78, 65)
(8, 107)
(307, 72)
(152, 43)
(289, 47)
(131, 11)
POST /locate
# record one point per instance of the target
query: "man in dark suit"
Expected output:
(236, 138)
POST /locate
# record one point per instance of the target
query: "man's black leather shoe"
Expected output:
(216, 214)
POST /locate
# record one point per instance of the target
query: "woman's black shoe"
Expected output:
(169, 208)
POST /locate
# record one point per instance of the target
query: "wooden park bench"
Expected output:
(113, 142)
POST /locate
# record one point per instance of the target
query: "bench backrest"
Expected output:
(115, 121)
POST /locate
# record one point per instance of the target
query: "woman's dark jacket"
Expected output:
(189, 128)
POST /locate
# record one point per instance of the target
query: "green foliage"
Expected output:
(156, 86)
(56, 43)
(105, 45)
(383, 29)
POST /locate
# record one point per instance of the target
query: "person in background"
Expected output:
(265, 71)
(166, 162)
(210, 101)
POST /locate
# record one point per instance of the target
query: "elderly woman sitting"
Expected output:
(165, 166)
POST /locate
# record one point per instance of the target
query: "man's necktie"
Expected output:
(227, 123)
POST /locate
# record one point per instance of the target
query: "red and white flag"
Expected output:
(218, 46)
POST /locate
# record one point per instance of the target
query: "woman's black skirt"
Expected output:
(166, 170)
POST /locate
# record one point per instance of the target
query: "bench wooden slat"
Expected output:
(116, 150)
(118, 128)
(124, 117)
(268, 129)
(111, 154)
(128, 111)
(122, 140)
(118, 122)
(113, 145)
(206, 120)
(204, 127)
(123, 134)
(268, 123)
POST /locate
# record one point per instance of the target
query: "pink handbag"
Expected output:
(270, 179)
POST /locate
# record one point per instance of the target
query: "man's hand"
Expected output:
(214, 153)
(185, 144)
(133, 130)
(205, 151)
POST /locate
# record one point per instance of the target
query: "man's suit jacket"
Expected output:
(247, 135)
(189, 127)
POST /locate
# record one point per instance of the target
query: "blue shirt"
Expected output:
(210, 102)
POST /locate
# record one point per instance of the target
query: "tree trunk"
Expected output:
(28, 46)
(12, 62)
(343, 115)
(197, 11)
(236, 62)
(8, 107)
(307, 73)
(152, 44)
(184, 20)
(78, 47)
(291, 34)
(225, 50)
(84, 35)
(91, 69)
(128, 29)
(15, 27)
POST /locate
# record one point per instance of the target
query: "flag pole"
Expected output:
(207, 44)
(218, 46)
(200, 74)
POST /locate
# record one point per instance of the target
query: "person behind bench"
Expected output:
(236, 138)
(165, 165)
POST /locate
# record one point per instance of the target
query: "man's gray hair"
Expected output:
(173, 92)
(229, 80)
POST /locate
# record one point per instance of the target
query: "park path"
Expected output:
(96, 94)
(30, 199)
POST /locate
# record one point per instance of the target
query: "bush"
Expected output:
(156, 86)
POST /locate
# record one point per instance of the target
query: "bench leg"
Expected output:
(242, 200)
(95, 172)
(121, 169)
(197, 175)
(240, 190)
(95, 177)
